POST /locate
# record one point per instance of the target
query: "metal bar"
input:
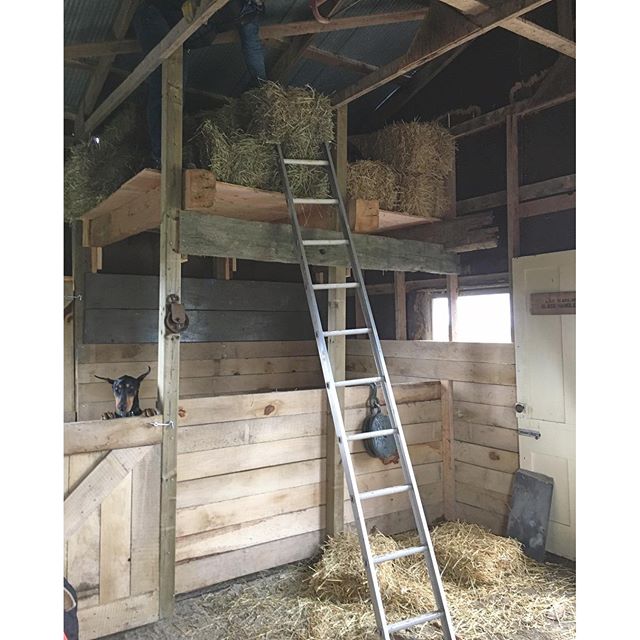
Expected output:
(314, 163)
(414, 622)
(336, 285)
(321, 243)
(315, 201)
(371, 434)
(403, 553)
(357, 382)
(345, 332)
(387, 491)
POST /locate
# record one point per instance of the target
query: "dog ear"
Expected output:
(144, 375)
(109, 380)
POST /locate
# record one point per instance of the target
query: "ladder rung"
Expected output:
(371, 434)
(314, 163)
(345, 332)
(358, 382)
(394, 555)
(322, 243)
(336, 285)
(413, 622)
(315, 201)
(387, 491)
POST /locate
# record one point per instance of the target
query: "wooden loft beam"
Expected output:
(171, 43)
(287, 60)
(337, 60)
(267, 32)
(529, 30)
(442, 30)
(207, 235)
(101, 72)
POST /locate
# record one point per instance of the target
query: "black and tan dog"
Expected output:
(125, 391)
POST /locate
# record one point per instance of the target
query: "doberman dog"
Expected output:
(125, 392)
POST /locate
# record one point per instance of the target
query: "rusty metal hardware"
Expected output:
(176, 319)
(530, 433)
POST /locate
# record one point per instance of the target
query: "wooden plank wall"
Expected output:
(485, 432)
(251, 471)
(123, 309)
(206, 369)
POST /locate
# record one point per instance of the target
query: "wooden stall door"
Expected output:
(545, 384)
(111, 521)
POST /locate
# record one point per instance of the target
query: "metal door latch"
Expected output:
(176, 319)
(520, 407)
(529, 433)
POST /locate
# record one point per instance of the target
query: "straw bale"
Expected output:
(421, 194)
(373, 180)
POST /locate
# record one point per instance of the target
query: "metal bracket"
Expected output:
(163, 424)
(176, 319)
(530, 433)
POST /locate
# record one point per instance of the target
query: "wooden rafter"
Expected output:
(526, 29)
(100, 74)
(285, 63)
(442, 30)
(267, 32)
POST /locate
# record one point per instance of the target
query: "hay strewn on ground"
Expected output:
(494, 593)
(422, 153)
(373, 180)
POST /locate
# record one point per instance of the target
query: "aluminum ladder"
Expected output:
(385, 629)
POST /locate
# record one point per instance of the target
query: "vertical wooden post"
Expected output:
(81, 265)
(400, 304)
(337, 347)
(360, 321)
(565, 18)
(452, 297)
(448, 464)
(169, 343)
(513, 201)
(422, 316)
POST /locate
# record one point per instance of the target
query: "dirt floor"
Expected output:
(269, 606)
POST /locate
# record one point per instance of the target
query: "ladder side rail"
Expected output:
(336, 410)
(407, 468)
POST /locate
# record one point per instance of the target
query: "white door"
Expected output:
(546, 384)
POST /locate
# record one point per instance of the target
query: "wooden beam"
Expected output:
(336, 60)
(400, 304)
(202, 234)
(448, 462)
(520, 26)
(169, 343)
(171, 43)
(513, 186)
(267, 32)
(121, 23)
(422, 316)
(564, 9)
(442, 30)
(336, 346)
(452, 297)
(542, 206)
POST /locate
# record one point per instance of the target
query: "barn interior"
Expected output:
(178, 524)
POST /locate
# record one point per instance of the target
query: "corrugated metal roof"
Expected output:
(75, 85)
(89, 20)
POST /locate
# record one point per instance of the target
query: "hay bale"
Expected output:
(373, 180)
(471, 556)
(421, 194)
(299, 118)
(94, 171)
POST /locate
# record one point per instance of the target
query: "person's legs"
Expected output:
(253, 50)
(150, 27)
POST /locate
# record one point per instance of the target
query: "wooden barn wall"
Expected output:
(251, 472)
(485, 447)
(123, 309)
(206, 369)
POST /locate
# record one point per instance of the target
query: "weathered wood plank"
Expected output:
(504, 417)
(478, 455)
(102, 435)
(494, 522)
(213, 235)
(491, 501)
(495, 437)
(448, 469)
(489, 479)
(496, 395)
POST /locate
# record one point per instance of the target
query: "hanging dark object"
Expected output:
(383, 447)
(176, 319)
(314, 5)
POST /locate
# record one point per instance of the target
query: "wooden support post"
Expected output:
(337, 347)
(81, 258)
(452, 297)
(422, 316)
(360, 321)
(564, 11)
(448, 465)
(400, 304)
(513, 201)
(169, 343)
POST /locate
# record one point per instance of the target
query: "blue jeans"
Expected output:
(151, 25)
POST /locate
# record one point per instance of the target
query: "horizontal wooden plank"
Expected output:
(489, 479)
(101, 435)
(120, 615)
(496, 395)
(486, 414)
(494, 437)
(115, 291)
(491, 501)
(499, 353)
(104, 353)
(217, 236)
(494, 522)
(485, 372)
(480, 456)
(135, 325)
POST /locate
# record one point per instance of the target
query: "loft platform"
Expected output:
(135, 207)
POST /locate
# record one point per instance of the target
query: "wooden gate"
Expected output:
(112, 521)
